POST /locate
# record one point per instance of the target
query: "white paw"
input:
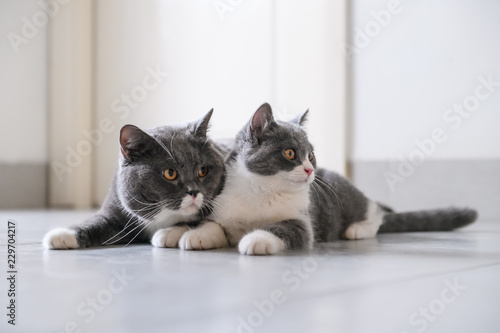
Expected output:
(260, 242)
(168, 237)
(60, 239)
(361, 230)
(208, 236)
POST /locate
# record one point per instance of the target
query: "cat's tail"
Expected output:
(427, 220)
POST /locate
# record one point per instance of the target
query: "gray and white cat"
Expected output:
(166, 180)
(275, 198)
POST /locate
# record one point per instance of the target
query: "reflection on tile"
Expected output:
(372, 285)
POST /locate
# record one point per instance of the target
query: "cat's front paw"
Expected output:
(60, 239)
(168, 237)
(208, 236)
(260, 242)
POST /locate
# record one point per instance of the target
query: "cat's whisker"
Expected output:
(138, 225)
(272, 185)
(132, 216)
(216, 205)
(324, 186)
(315, 191)
(137, 221)
(169, 206)
(212, 204)
(164, 147)
(135, 213)
(210, 200)
(330, 189)
(205, 208)
(327, 185)
(202, 214)
(147, 225)
(206, 141)
(150, 206)
(324, 194)
(138, 201)
(332, 186)
(133, 198)
(171, 144)
(110, 241)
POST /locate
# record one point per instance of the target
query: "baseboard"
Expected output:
(23, 186)
(474, 184)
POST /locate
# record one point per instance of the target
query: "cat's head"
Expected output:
(276, 151)
(170, 169)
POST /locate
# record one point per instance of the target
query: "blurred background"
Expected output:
(404, 96)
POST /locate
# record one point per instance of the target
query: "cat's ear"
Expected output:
(200, 127)
(301, 119)
(134, 142)
(261, 120)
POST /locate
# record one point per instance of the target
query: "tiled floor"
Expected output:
(432, 282)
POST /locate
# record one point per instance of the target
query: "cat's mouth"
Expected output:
(302, 180)
(298, 181)
(191, 205)
(301, 175)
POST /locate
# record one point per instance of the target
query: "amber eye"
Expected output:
(290, 154)
(170, 174)
(203, 172)
(311, 157)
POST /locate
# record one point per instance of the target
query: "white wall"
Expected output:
(224, 64)
(310, 72)
(232, 60)
(424, 61)
(71, 105)
(23, 87)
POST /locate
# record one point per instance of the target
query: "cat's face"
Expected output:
(276, 151)
(169, 170)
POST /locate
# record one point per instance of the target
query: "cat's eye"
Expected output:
(170, 174)
(202, 172)
(311, 157)
(290, 154)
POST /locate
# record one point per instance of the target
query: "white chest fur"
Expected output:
(250, 201)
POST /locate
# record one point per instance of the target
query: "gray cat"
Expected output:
(166, 180)
(275, 198)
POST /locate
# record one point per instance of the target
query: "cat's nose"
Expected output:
(193, 193)
(308, 171)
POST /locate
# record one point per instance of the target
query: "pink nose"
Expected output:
(308, 171)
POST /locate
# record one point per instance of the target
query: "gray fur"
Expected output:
(139, 191)
(428, 220)
(335, 203)
(294, 233)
